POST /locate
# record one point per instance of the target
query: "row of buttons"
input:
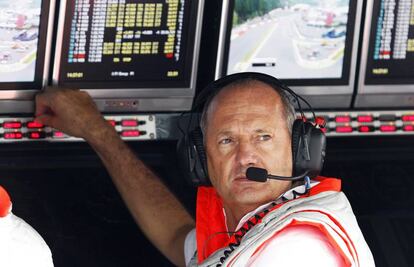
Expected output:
(129, 127)
(371, 128)
(18, 125)
(20, 135)
(143, 127)
(125, 133)
(367, 123)
(59, 135)
(371, 118)
(36, 125)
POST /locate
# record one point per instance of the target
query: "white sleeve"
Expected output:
(190, 246)
(298, 246)
(21, 245)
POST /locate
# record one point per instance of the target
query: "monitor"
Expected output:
(130, 55)
(311, 45)
(25, 41)
(387, 60)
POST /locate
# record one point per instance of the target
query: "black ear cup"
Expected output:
(296, 132)
(308, 148)
(192, 158)
(198, 144)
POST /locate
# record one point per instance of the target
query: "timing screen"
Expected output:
(19, 32)
(391, 47)
(302, 39)
(125, 40)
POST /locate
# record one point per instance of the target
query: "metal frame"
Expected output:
(222, 38)
(154, 99)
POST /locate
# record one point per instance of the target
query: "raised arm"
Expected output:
(158, 213)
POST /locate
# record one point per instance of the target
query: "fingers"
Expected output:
(44, 113)
(42, 105)
(44, 119)
(70, 111)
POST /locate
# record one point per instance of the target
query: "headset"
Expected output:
(308, 140)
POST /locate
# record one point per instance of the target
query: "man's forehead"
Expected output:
(247, 87)
(253, 93)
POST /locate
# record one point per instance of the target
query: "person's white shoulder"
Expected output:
(190, 246)
(21, 245)
(301, 245)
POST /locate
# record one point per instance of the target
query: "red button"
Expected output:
(343, 119)
(36, 135)
(344, 129)
(12, 125)
(13, 135)
(388, 128)
(365, 118)
(366, 129)
(133, 133)
(407, 118)
(58, 135)
(34, 125)
(129, 123)
(408, 128)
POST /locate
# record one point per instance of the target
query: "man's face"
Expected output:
(246, 127)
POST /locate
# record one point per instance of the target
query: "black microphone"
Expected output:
(261, 175)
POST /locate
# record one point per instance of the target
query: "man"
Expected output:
(248, 123)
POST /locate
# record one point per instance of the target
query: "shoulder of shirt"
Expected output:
(297, 245)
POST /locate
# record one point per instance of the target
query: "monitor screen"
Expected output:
(391, 43)
(23, 31)
(303, 42)
(117, 44)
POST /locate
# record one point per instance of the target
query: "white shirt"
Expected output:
(298, 246)
(21, 245)
(295, 246)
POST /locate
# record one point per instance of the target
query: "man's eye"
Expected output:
(225, 141)
(265, 137)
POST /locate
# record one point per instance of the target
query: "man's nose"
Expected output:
(247, 154)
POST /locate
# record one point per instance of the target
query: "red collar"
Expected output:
(211, 230)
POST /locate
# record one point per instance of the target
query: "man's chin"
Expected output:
(251, 192)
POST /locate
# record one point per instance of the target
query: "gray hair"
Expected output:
(288, 107)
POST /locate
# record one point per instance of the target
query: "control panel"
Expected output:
(366, 123)
(165, 126)
(129, 127)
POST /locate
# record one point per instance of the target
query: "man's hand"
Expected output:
(70, 111)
